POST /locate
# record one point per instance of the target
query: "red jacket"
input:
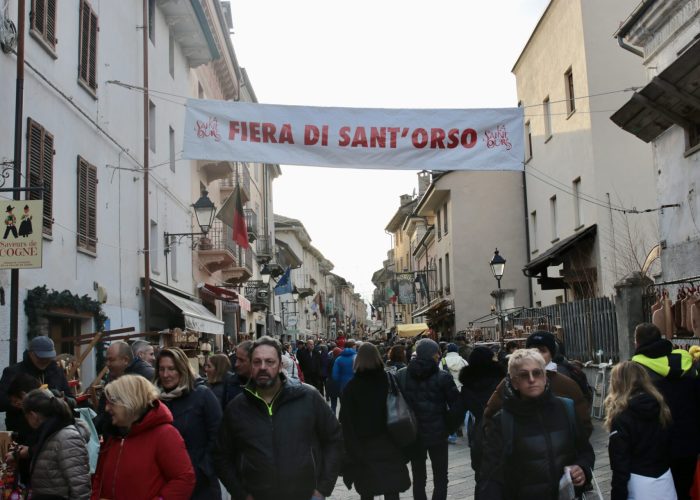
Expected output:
(151, 462)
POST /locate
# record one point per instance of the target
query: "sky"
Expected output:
(373, 54)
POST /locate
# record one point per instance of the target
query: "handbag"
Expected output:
(400, 420)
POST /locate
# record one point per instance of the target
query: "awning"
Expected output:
(432, 307)
(670, 98)
(197, 317)
(412, 330)
(230, 295)
(553, 255)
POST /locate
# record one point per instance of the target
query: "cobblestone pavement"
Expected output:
(461, 475)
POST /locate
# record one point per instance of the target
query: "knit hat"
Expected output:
(426, 349)
(480, 356)
(542, 338)
(452, 347)
(336, 351)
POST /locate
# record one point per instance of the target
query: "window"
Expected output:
(152, 21)
(547, 119)
(447, 273)
(172, 245)
(87, 69)
(87, 206)
(533, 230)
(440, 273)
(42, 19)
(444, 219)
(693, 136)
(172, 148)
(577, 203)
(40, 168)
(528, 141)
(153, 247)
(171, 53)
(152, 126)
(570, 96)
(439, 224)
(553, 217)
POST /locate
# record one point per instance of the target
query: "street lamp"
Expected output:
(204, 211)
(265, 274)
(498, 266)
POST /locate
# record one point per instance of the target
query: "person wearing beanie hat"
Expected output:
(545, 343)
(434, 398)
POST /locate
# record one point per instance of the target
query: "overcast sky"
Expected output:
(375, 54)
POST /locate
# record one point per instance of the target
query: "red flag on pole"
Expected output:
(240, 231)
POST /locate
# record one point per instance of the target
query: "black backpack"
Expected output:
(577, 375)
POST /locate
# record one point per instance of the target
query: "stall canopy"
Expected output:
(197, 317)
(412, 330)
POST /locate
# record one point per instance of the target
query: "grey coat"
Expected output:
(62, 466)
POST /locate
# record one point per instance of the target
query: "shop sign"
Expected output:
(21, 243)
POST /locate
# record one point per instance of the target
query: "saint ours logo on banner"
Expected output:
(412, 139)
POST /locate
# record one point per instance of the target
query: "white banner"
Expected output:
(394, 139)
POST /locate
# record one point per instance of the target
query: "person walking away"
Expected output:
(218, 371)
(310, 361)
(433, 396)
(374, 463)
(397, 358)
(343, 369)
(60, 466)
(196, 414)
(453, 363)
(325, 362)
(533, 440)
(673, 374)
(332, 386)
(639, 446)
(479, 379)
(144, 455)
(278, 441)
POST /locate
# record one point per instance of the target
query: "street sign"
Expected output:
(292, 321)
(21, 242)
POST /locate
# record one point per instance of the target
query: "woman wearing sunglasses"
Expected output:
(533, 441)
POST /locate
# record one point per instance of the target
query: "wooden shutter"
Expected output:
(87, 205)
(88, 45)
(51, 22)
(38, 16)
(40, 168)
(92, 73)
(43, 20)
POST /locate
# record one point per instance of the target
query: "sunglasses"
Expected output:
(525, 375)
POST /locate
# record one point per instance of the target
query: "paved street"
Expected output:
(461, 475)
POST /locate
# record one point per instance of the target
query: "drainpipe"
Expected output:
(146, 148)
(527, 236)
(631, 21)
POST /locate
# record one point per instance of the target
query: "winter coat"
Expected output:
(61, 466)
(282, 450)
(434, 398)
(561, 386)
(226, 389)
(542, 442)
(52, 376)
(638, 444)
(332, 386)
(310, 363)
(343, 368)
(325, 361)
(673, 374)
(197, 415)
(150, 461)
(454, 364)
(140, 367)
(374, 463)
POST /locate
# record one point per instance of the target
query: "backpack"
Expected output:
(577, 375)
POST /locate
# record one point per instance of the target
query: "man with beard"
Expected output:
(278, 440)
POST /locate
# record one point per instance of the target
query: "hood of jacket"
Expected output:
(655, 348)
(158, 415)
(348, 352)
(422, 368)
(474, 375)
(644, 406)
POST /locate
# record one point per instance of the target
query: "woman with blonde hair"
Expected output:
(218, 371)
(639, 447)
(196, 414)
(145, 456)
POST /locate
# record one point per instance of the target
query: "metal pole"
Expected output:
(19, 100)
(500, 311)
(146, 148)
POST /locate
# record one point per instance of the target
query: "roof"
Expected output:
(552, 256)
(537, 26)
(400, 215)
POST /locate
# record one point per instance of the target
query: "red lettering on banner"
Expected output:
(286, 134)
(360, 138)
(423, 141)
(208, 129)
(393, 133)
(498, 137)
(437, 138)
(254, 132)
(324, 136)
(344, 134)
(268, 131)
(259, 132)
(469, 138)
(311, 135)
(452, 138)
(377, 137)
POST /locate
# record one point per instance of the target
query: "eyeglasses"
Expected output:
(525, 375)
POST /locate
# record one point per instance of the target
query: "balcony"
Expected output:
(258, 294)
(242, 269)
(215, 170)
(241, 173)
(217, 251)
(251, 222)
(263, 249)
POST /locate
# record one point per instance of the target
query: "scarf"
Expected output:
(179, 391)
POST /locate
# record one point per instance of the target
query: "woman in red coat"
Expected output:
(145, 457)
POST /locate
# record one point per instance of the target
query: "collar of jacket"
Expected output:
(674, 365)
(286, 393)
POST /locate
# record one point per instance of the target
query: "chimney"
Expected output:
(423, 182)
(406, 199)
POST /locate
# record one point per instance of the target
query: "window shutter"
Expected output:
(93, 51)
(84, 40)
(40, 168)
(87, 206)
(47, 179)
(51, 22)
(38, 18)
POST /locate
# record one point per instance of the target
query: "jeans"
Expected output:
(438, 460)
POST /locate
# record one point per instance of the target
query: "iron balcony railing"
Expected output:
(221, 238)
(263, 248)
(251, 222)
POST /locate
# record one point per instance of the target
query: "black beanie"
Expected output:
(542, 338)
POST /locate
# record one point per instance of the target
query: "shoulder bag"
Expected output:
(400, 420)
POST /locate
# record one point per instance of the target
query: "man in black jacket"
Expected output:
(676, 378)
(434, 398)
(278, 440)
(310, 363)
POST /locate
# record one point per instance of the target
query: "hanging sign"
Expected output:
(21, 242)
(406, 286)
(394, 139)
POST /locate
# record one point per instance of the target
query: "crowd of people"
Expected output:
(273, 421)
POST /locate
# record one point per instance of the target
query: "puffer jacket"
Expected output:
(543, 441)
(343, 368)
(61, 466)
(282, 450)
(454, 364)
(434, 398)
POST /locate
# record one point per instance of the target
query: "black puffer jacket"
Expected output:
(542, 445)
(433, 396)
(285, 450)
(140, 367)
(638, 444)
